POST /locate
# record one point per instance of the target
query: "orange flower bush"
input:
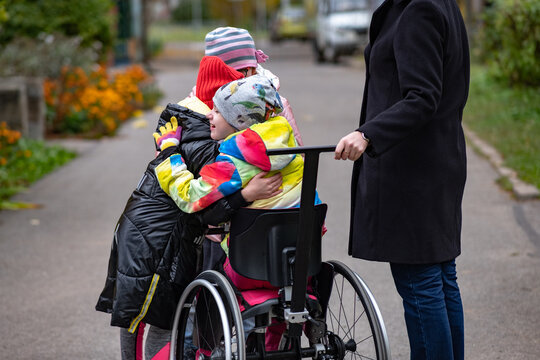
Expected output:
(8, 142)
(94, 103)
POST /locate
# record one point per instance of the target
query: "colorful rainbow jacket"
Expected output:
(242, 156)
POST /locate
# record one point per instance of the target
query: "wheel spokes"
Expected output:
(348, 319)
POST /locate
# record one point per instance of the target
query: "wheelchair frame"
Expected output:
(323, 344)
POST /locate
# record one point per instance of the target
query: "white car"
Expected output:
(341, 27)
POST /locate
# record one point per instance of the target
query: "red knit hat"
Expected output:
(213, 74)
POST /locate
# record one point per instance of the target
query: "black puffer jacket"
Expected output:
(156, 247)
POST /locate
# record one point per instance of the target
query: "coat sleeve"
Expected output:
(222, 210)
(216, 180)
(242, 157)
(418, 46)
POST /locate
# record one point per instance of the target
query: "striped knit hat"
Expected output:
(234, 46)
(213, 73)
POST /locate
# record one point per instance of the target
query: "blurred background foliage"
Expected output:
(70, 46)
(23, 161)
(89, 20)
(74, 46)
(504, 97)
(3, 13)
(509, 41)
(95, 103)
(183, 13)
(45, 55)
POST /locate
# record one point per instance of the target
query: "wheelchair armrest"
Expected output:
(217, 230)
(259, 309)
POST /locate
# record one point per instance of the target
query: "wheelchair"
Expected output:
(326, 310)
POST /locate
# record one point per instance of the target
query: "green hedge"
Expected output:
(510, 40)
(25, 162)
(91, 20)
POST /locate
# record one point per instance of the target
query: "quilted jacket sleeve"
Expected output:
(222, 210)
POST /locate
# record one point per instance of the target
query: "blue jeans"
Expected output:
(433, 309)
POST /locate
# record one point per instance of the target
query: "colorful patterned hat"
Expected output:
(245, 102)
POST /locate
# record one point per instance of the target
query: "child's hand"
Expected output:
(168, 135)
(260, 187)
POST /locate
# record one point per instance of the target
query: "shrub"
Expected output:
(511, 40)
(183, 13)
(93, 103)
(155, 47)
(91, 20)
(3, 13)
(45, 56)
(23, 161)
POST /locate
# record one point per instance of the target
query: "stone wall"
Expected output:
(22, 105)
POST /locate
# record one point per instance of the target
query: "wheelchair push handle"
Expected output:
(306, 221)
(311, 166)
(302, 150)
(310, 171)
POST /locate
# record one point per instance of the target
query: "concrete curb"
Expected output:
(520, 189)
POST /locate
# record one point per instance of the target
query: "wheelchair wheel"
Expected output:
(353, 316)
(208, 323)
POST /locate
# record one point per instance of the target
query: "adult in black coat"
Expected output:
(408, 187)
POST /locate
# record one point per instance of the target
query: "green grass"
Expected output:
(170, 32)
(509, 119)
(167, 32)
(22, 170)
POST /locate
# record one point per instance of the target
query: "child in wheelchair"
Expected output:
(244, 118)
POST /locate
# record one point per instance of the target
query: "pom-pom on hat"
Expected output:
(213, 73)
(234, 46)
(245, 102)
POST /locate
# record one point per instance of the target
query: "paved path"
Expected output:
(53, 260)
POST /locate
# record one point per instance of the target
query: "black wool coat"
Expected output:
(156, 247)
(408, 186)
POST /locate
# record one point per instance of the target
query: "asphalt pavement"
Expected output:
(53, 260)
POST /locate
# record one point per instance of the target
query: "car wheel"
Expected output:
(318, 52)
(330, 54)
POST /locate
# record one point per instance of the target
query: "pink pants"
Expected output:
(267, 291)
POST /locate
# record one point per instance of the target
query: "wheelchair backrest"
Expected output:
(262, 242)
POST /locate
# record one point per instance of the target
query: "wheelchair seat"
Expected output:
(262, 243)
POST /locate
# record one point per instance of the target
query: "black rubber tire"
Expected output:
(209, 307)
(353, 313)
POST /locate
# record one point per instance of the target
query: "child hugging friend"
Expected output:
(243, 118)
(156, 248)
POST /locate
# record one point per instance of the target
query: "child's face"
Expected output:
(248, 71)
(219, 128)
